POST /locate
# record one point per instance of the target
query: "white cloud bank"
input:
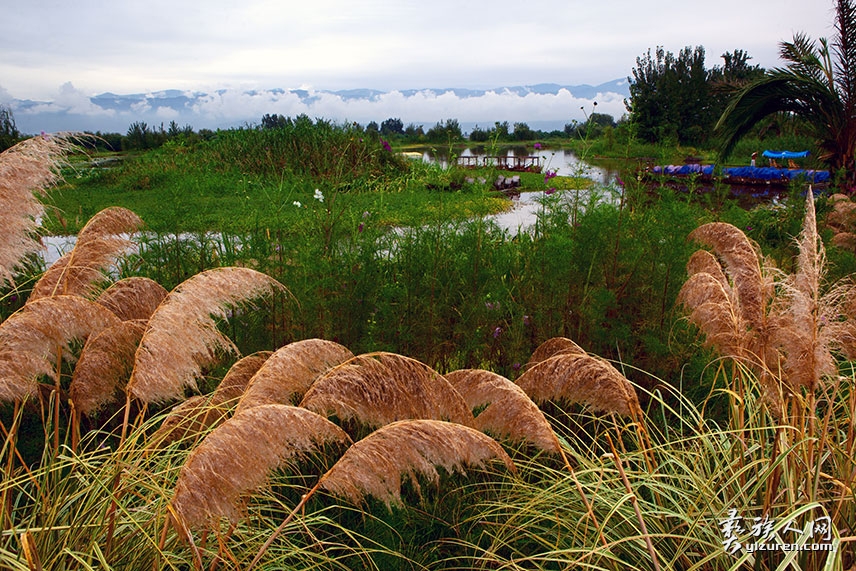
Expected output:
(71, 109)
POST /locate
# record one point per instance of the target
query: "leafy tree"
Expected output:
(670, 96)
(392, 127)
(522, 132)
(9, 134)
(445, 132)
(817, 86)
(414, 132)
(594, 126)
(372, 127)
(139, 136)
(479, 135)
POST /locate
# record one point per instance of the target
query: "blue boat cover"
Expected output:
(766, 174)
(785, 154)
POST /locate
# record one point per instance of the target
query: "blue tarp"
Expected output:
(770, 173)
(785, 154)
(750, 173)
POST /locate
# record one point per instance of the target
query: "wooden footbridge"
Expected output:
(503, 162)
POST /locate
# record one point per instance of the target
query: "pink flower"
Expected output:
(537, 146)
(386, 146)
(550, 190)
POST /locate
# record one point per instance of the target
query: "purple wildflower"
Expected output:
(527, 320)
(385, 144)
(516, 366)
(550, 190)
(360, 227)
(497, 332)
(537, 146)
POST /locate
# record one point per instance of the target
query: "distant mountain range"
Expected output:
(223, 108)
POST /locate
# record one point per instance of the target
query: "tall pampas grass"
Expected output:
(35, 337)
(810, 323)
(374, 466)
(101, 241)
(27, 170)
(742, 262)
(506, 410)
(574, 378)
(104, 366)
(133, 298)
(200, 412)
(552, 347)
(379, 388)
(291, 370)
(236, 457)
(182, 334)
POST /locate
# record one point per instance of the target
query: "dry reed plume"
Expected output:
(133, 298)
(27, 170)
(235, 458)
(374, 465)
(552, 347)
(104, 366)
(784, 334)
(379, 388)
(98, 245)
(809, 323)
(199, 413)
(742, 265)
(237, 379)
(508, 412)
(730, 301)
(291, 370)
(33, 338)
(576, 378)
(182, 334)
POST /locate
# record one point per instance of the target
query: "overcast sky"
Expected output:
(129, 46)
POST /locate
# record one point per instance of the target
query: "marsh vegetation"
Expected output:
(367, 374)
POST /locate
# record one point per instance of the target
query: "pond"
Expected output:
(564, 161)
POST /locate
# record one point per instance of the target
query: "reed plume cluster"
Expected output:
(27, 171)
(783, 328)
(182, 335)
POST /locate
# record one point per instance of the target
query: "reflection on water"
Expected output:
(565, 162)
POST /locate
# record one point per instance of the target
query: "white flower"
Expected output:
(297, 203)
(319, 196)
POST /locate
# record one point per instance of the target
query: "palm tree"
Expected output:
(817, 85)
